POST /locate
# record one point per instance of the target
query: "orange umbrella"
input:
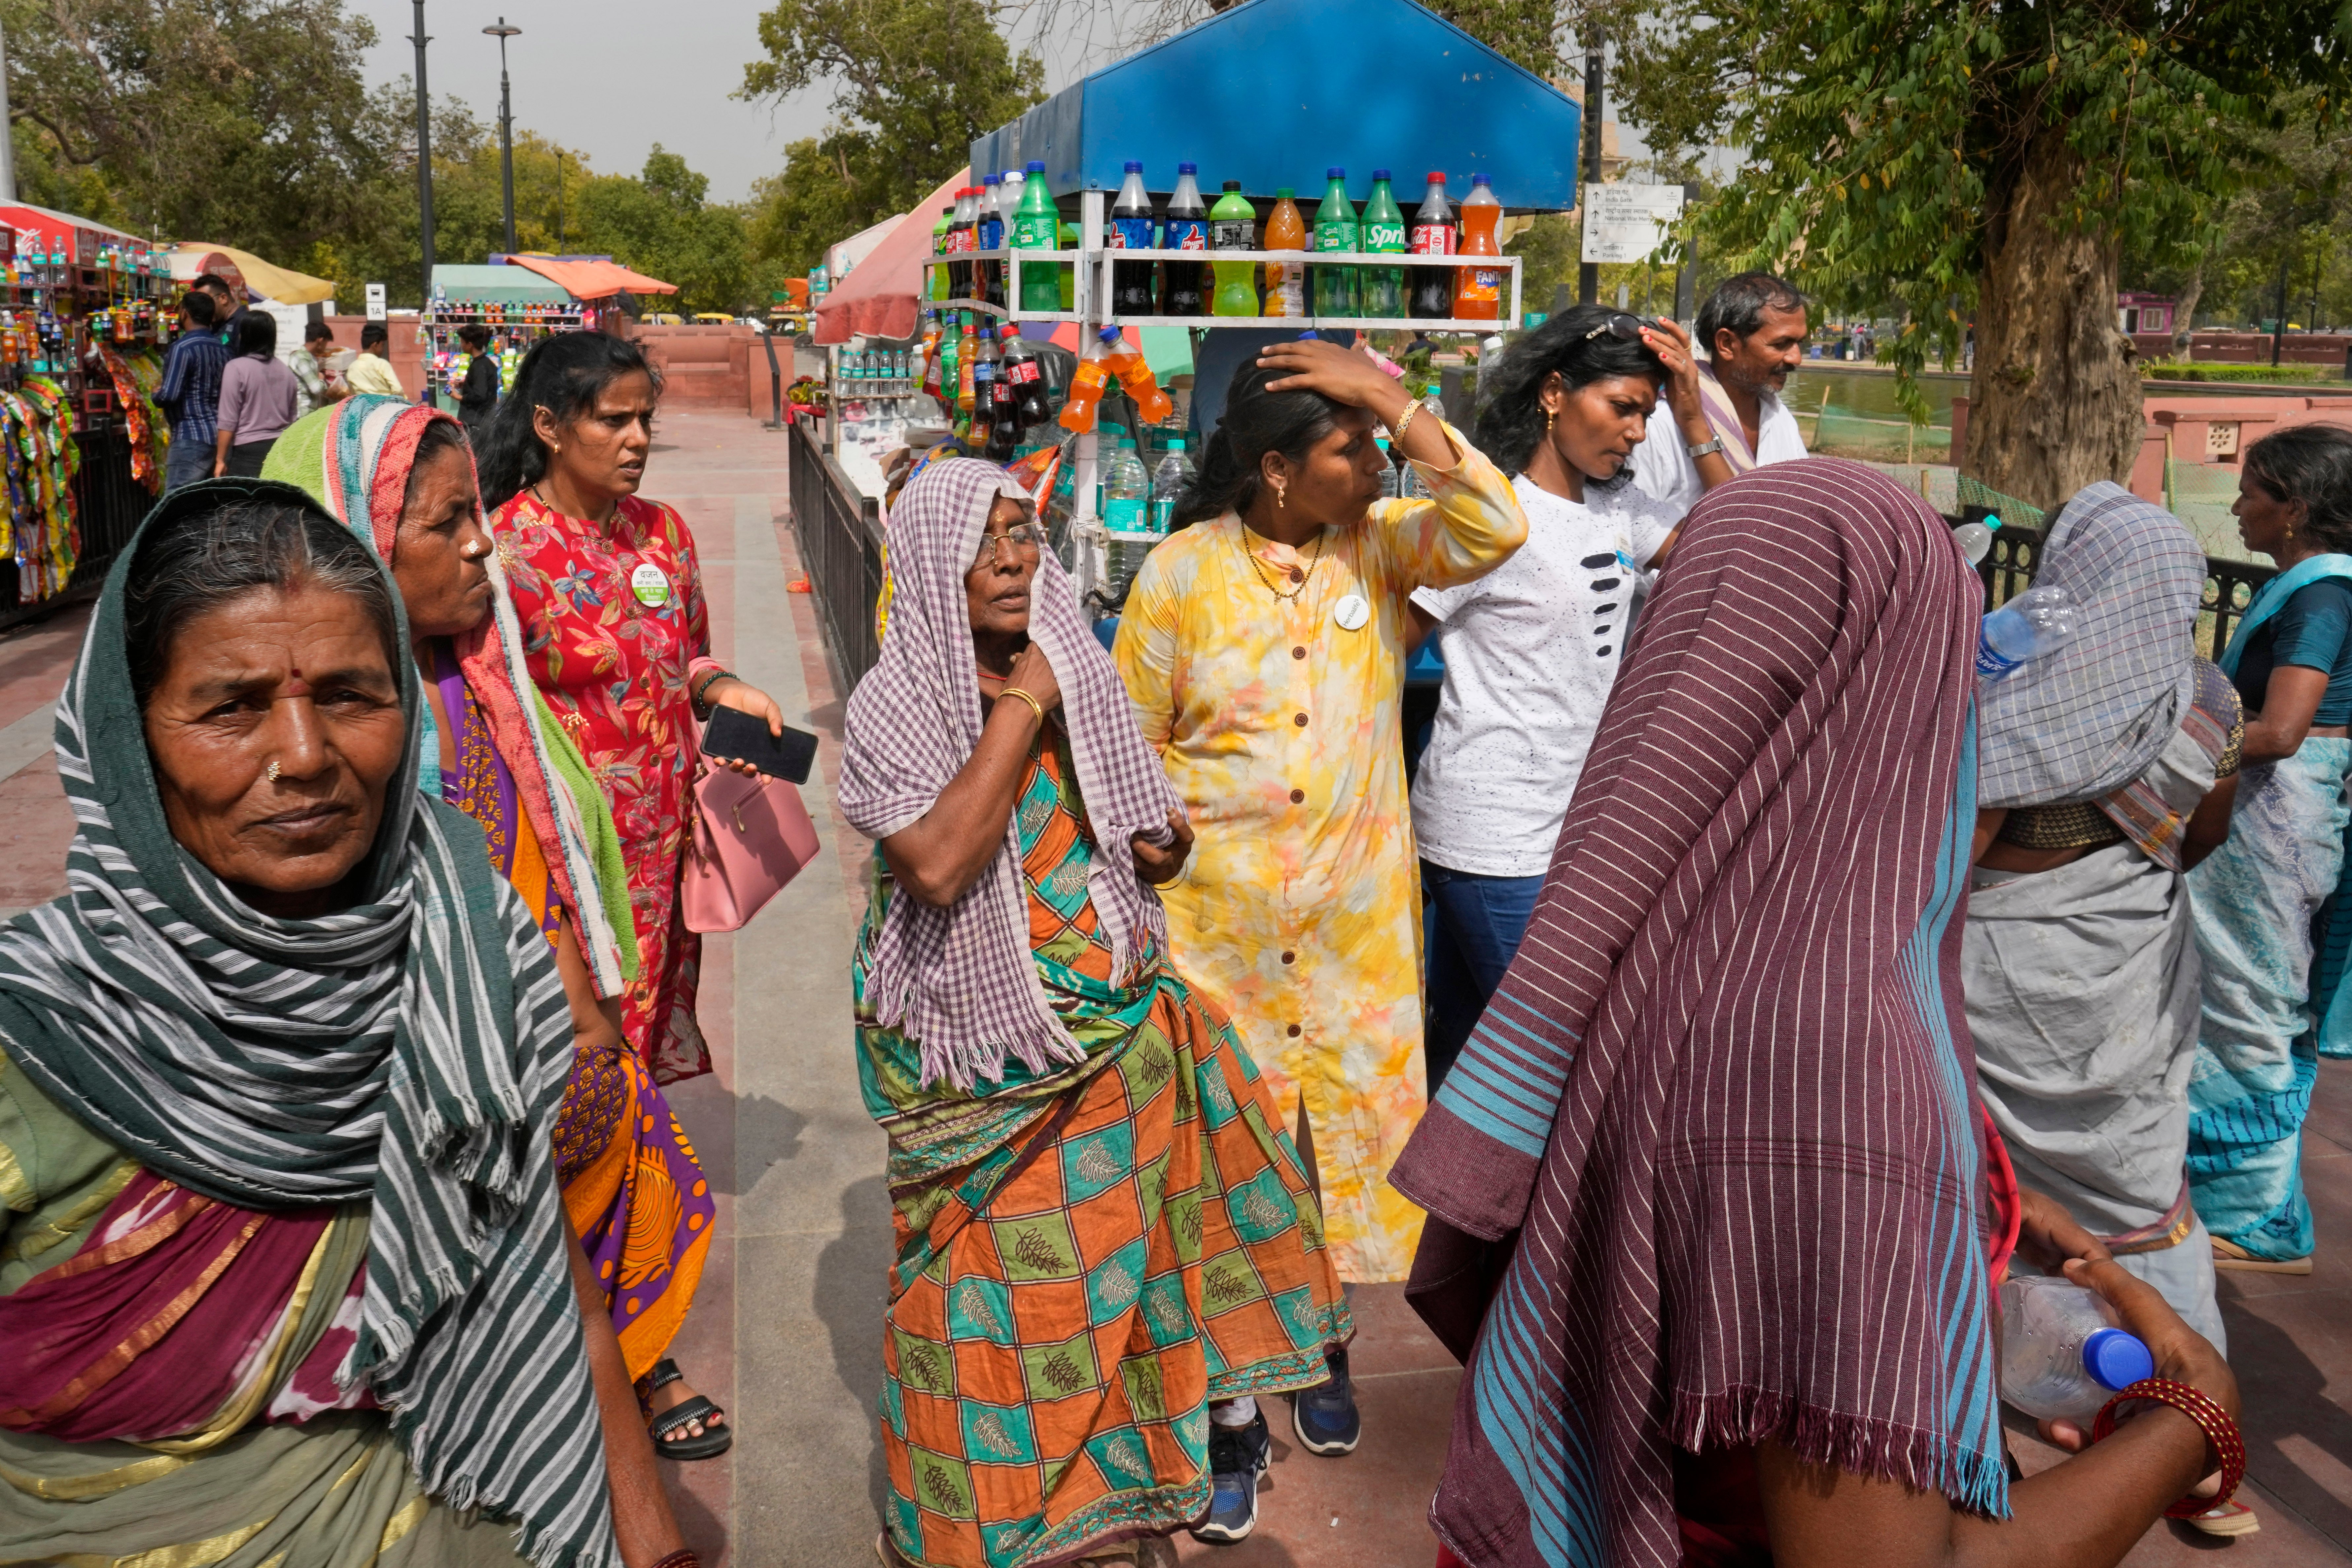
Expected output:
(883, 292)
(592, 280)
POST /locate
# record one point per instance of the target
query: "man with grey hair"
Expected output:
(1753, 330)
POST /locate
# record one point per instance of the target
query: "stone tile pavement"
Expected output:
(784, 1332)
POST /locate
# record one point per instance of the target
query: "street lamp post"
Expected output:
(506, 124)
(1588, 274)
(423, 155)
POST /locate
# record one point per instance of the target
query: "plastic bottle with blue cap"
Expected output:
(2064, 1350)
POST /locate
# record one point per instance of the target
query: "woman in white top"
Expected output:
(1530, 648)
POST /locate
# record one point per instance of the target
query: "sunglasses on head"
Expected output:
(1620, 326)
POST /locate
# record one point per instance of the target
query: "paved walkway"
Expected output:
(784, 1331)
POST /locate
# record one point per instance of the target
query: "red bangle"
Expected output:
(681, 1558)
(2220, 1430)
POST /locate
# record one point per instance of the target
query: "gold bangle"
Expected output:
(1396, 436)
(1034, 706)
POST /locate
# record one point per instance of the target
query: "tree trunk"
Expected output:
(2184, 308)
(2054, 404)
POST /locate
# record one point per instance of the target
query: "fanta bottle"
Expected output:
(1478, 291)
(1088, 384)
(1151, 404)
(1286, 281)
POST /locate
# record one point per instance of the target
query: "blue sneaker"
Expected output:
(1237, 1456)
(1325, 1416)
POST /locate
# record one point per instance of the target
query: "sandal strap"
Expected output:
(695, 1410)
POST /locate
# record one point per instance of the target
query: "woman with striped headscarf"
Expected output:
(1712, 1207)
(400, 475)
(285, 1278)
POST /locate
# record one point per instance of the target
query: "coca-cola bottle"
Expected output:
(1433, 234)
(1021, 372)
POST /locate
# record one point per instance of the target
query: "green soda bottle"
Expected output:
(1065, 288)
(950, 354)
(1335, 229)
(1232, 228)
(1383, 287)
(1034, 227)
(938, 289)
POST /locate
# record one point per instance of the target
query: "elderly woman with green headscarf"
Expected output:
(285, 1277)
(400, 475)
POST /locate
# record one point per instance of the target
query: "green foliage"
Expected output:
(914, 82)
(1524, 31)
(1886, 136)
(2198, 370)
(660, 225)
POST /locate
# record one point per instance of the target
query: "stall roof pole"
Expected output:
(423, 155)
(7, 144)
(1588, 273)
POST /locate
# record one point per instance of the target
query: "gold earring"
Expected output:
(270, 773)
(1281, 497)
(1550, 414)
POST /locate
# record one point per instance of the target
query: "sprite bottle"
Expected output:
(1335, 229)
(1383, 291)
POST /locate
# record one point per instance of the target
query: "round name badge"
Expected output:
(650, 584)
(1352, 612)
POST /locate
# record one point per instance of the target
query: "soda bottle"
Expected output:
(1168, 481)
(1131, 230)
(1286, 281)
(938, 367)
(964, 237)
(2035, 624)
(1088, 384)
(1478, 291)
(983, 375)
(967, 365)
(1151, 404)
(1433, 234)
(1233, 226)
(1066, 283)
(990, 237)
(1188, 229)
(1335, 229)
(1034, 228)
(2063, 1351)
(1382, 289)
(1020, 374)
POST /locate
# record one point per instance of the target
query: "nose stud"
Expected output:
(270, 773)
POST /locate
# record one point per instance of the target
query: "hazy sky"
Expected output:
(589, 73)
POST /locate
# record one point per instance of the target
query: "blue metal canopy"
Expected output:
(1272, 92)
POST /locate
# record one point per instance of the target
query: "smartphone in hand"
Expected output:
(735, 736)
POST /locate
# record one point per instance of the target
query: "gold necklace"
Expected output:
(1259, 567)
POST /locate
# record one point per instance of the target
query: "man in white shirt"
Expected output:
(1754, 327)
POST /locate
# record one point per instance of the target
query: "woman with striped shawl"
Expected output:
(1710, 1214)
(399, 474)
(1106, 1246)
(285, 1278)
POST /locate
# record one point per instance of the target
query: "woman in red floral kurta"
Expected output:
(610, 598)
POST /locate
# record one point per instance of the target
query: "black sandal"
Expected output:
(714, 1441)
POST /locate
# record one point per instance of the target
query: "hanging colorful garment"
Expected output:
(43, 459)
(150, 435)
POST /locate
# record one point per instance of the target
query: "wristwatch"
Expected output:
(1706, 448)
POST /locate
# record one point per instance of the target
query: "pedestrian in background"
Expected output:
(258, 398)
(320, 386)
(371, 371)
(1752, 330)
(1264, 649)
(1531, 647)
(230, 309)
(189, 392)
(478, 395)
(2257, 900)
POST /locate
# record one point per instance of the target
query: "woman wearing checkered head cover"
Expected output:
(1101, 1227)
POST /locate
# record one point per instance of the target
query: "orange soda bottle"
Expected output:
(1478, 291)
(967, 355)
(1087, 387)
(1151, 404)
(1286, 281)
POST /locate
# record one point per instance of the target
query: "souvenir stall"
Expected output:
(517, 304)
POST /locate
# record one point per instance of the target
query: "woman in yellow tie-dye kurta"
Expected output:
(1278, 720)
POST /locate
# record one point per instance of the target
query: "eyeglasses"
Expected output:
(1620, 326)
(1026, 539)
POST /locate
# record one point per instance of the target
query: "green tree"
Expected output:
(661, 225)
(1947, 153)
(914, 82)
(239, 121)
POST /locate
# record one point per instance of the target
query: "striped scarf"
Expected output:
(398, 1053)
(1722, 1108)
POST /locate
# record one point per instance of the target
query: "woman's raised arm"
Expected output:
(942, 852)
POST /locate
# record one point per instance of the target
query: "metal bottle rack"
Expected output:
(1090, 301)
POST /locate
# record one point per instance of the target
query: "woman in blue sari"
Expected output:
(2262, 900)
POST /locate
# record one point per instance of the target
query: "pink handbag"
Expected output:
(751, 836)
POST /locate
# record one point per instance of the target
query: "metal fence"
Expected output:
(109, 505)
(2230, 585)
(839, 532)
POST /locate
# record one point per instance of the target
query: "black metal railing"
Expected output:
(108, 504)
(839, 532)
(2230, 585)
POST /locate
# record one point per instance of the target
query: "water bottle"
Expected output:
(1975, 541)
(2063, 1353)
(1167, 482)
(2035, 624)
(1126, 490)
